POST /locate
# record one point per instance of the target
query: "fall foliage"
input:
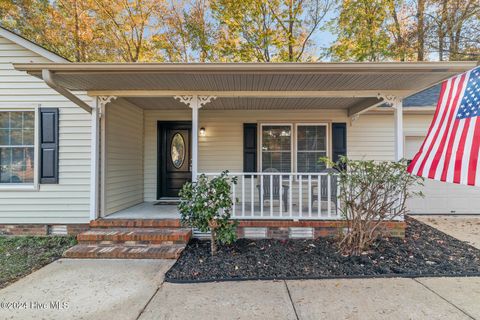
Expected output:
(249, 30)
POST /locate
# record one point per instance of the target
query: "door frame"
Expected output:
(161, 143)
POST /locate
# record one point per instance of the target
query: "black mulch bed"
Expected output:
(425, 251)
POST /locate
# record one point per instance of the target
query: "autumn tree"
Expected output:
(126, 25)
(361, 31)
(277, 30)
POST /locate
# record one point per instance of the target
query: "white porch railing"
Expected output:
(280, 195)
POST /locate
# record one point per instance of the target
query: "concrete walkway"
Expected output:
(465, 228)
(133, 289)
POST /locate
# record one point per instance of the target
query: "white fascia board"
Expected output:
(31, 46)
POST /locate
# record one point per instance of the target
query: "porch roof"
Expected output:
(352, 86)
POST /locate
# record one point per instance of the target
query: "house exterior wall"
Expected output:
(124, 156)
(65, 202)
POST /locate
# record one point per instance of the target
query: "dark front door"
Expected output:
(174, 156)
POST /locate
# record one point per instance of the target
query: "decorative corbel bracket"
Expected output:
(195, 101)
(390, 100)
(354, 118)
(103, 100)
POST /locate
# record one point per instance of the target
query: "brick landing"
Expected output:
(131, 239)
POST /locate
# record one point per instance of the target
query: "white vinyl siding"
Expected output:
(124, 161)
(68, 201)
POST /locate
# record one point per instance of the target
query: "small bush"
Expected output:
(207, 205)
(370, 194)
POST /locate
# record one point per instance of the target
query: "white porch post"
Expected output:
(397, 104)
(195, 102)
(96, 115)
(398, 115)
(94, 159)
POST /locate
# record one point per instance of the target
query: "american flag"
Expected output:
(451, 148)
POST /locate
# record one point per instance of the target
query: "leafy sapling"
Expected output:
(207, 205)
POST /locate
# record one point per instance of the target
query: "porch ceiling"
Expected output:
(247, 103)
(352, 86)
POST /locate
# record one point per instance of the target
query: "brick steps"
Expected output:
(122, 251)
(131, 239)
(136, 235)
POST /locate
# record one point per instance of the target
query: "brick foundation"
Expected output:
(39, 229)
(284, 229)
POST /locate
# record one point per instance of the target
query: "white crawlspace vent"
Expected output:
(201, 235)
(300, 233)
(58, 230)
(255, 233)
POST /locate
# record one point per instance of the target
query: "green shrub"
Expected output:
(370, 193)
(207, 205)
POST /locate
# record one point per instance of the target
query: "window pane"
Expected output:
(280, 161)
(309, 161)
(275, 138)
(28, 137)
(16, 137)
(17, 163)
(4, 120)
(16, 120)
(4, 137)
(28, 120)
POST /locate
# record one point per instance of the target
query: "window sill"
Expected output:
(18, 187)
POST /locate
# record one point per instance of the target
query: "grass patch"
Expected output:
(22, 255)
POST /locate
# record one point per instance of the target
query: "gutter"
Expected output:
(47, 76)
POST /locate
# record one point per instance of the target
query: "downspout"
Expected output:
(47, 76)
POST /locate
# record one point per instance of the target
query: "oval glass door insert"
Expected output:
(177, 152)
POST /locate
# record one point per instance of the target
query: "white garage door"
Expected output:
(441, 197)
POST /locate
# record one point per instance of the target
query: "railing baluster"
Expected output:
(252, 191)
(309, 195)
(271, 195)
(300, 195)
(290, 196)
(280, 195)
(329, 196)
(338, 199)
(261, 194)
(319, 200)
(234, 214)
(243, 195)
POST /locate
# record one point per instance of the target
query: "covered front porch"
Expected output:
(156, 126)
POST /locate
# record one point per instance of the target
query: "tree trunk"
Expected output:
(420, 30)
(77, 33)
(290, 31)
(213, 244)
(441, 30)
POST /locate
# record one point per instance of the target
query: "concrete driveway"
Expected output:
(133, 289)
(465, 228)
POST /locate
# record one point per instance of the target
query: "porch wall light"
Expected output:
(202, 132)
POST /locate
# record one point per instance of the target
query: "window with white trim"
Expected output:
(311, 146)
(307, 142)
(276, 144)
(17, 147)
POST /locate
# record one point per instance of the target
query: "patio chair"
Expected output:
(273, 194)
(323, 191)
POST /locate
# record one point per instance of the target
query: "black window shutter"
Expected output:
(48, 161)
(339, 140)
(249, 147)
